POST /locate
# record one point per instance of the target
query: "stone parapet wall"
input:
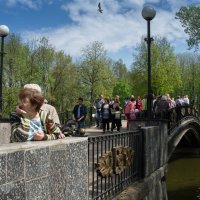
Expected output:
(152, 187)
(48, 170)
(5, 132)
(155, 147)
(155, 144)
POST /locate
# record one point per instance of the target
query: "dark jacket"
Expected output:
(83, 112)
(103, 111)
(162, 106)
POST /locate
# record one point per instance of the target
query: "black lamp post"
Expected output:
(148, 14)
(4, 31)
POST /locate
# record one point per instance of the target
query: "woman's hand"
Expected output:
(61, 136)
(39, 136)
(20, 111)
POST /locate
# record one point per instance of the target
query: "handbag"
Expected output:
(117, 114)
(113, 111)
(132, 114)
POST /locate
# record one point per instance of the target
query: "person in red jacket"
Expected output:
(130, 107)
(139, 104)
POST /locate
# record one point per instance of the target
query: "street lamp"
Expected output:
(4, 31)
(148, 14)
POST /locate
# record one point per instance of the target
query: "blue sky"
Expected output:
(70, 25)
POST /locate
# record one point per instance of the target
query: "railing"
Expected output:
(115, 161)
(65, 116)
(178, 114)
(173, 116)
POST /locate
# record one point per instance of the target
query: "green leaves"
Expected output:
(123, 90)
(190, 20)
(165, 76)
(63, 81)
(94, 73)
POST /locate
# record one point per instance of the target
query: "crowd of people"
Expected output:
(109, 111)
(164, 103)
(35, 119)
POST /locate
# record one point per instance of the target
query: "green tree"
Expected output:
(123, 89)
(165, 71)
(95, 74)
(62, 81)
(32, 73)
(14, 71)
(63, 85)
(190, 74)
(24, 63)
(120, 70)
(44, 61)
(190, 20)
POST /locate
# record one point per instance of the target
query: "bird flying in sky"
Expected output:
(99, 8)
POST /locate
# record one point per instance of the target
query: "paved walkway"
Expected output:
(93, 131)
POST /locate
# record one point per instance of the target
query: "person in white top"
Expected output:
(186, 100)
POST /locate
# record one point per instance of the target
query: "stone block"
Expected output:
(2, 169)
(58, 184)
(58, 158)
(37, 163)
(77, 167)
(16, 190)
(2, 192)
(155, 147)
(15, 166)
(5, 132)
(48, 170)
(38, 189)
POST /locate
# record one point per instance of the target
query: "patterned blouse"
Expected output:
(20, 127)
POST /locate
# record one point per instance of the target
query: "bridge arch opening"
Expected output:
(183, 173)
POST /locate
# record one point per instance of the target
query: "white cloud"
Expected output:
(175, 5)
(26, 3)
(166, 25)
(116, 29)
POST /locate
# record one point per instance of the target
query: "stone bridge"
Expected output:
(70, 168)
(162, 136)
(185, 130)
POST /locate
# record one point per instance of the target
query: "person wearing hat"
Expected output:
(79, 113)
(45, 106)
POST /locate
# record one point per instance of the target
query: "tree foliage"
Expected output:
(190, 74)
(120, 70)
(14, 71)
(190, 20)
(63, 81)
(38, 62)
(94, 73)
(165, 74)
(123, 90)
